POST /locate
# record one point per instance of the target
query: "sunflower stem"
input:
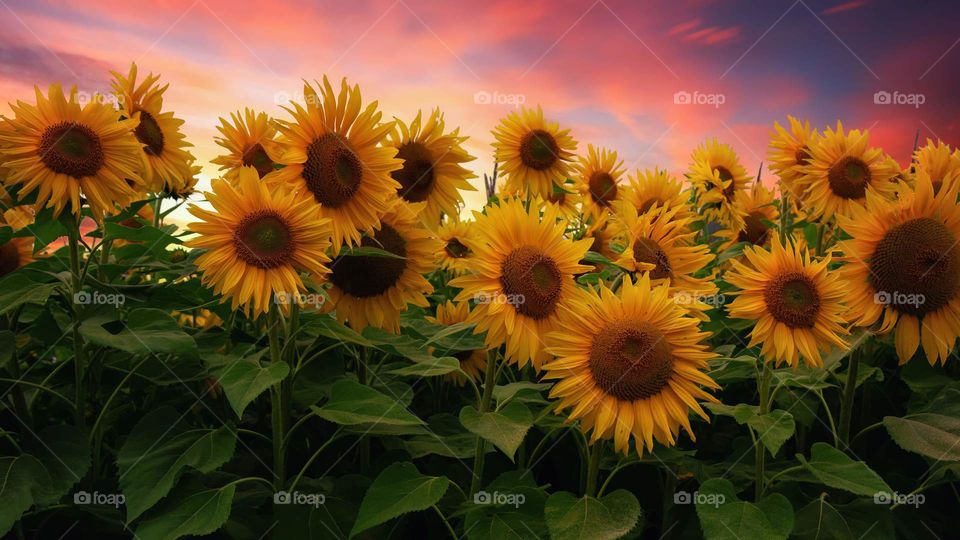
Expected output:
(362, 369)
(79, 357)
(849, 391)
(593, 469)
(276, 399)
(784, 215)
(157, 205)
(479, 456)
(766, 375)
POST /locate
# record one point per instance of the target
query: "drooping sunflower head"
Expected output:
(598, 175)
(472, 363)
(758, 206)
(903, 263)
(717, 175)
(372, 290)
(629, 364)
(655, 188)
(939, 162)
(790, 150)
(566, 199)
(333, 153)
(250, 141)
(796, 302)
(64, 152)
(520, 275)
(258, 240)
(602, 235)
(188, 186)
(841, 170)
(455, 237)
(166, 163)
(533, 153)
(432, 170)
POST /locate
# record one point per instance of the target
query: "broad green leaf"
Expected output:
(21, 478)
(65, 454)
(835, 469)
(505, 428)
(403, 345)
(773, 429)
(17, 290)
(398, 490)
(328, 326)
(153, 238)
(511, 506)
(244, 380)
(506, 392)
(724, 517)
(8, 343)
(728, 370)
(195, 513)
(612, 516)
(819, 520)
(932, 435)
(159, 449)
(146, 331)
(368, 251)
(353, 403)
(429, 368)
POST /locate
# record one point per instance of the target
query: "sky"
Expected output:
(616, 73)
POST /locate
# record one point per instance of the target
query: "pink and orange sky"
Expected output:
(607, 69)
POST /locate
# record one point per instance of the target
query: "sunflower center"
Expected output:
(532, 282)
(364, 276)
(455, 249)
(9, 258)
(256, 157)
(849, 178)
(916, 266)
(416, 177)
(539, 150)
(631, 361)
(727, 176)
(263, 239)
(646, 206)
(754, 230)
(603, 188)
(801, 155)
(332, 171)
(647, 250)
(72, 149)
(792, 299)
(149, 134)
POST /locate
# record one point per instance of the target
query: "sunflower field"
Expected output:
(335, 347)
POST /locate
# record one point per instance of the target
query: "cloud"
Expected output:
(846, 6)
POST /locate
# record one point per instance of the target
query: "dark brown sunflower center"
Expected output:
(416, 176)
(647, 250)
(455, 249)
(364, 276)
(539, 150)
(802, 155)
(532, 282)
(647, 205)
(631, 361)
(727, 176)
(72, 149)
(9, 258)
(754, 230)
(603, 188)
(916, 267)
(849, 178)
(263, 239)
(333, 172)
(257, 157)
(149, 134)
(792, 298)
(557, 197)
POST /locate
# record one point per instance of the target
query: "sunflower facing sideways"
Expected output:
(257, 241)
(332, 151)
(166, 162)
(759, 208)
(903, 267)
(521, 275)
(597, 177)
(566, 199)
(250, 141)
(630, 363)
(939, 162)
(432, 170)
(790, 150)
(534, 154)
(717, 175)
(472, 363)
(796, 302)
(655, 188)
(372, 290)
(64, 151)
(455, 237)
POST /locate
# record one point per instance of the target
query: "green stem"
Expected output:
(276, 398)
(479, 456)
(313, 458)
(104, 258)
(79, 357)
(849, 391)
(820, 246)
(766, 374)
(593, 469)
(157, 204)
(362, 359)
(784, 214)
(453, 533)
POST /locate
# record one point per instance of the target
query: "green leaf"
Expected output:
(773, 429)
(932, 435)
(352, 403)
(819, 520)
(505, 428)
(516, 512)
(146, 331)
(23, 478)
(368, 251)
(8, 344)
(398, 490)
(328, 326)
(612, 516)
(158, 451)
(65, 454)
(835, 469)
(17, 290)
(244, 380)
(724, 517)
(155, 239)
(429, 368)
(195, 513)
(522, 389)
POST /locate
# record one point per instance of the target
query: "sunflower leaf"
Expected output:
(244, 380)
(935, 436)
(611, 516)
(367, 251)
(352, 403)
(194, 512)
(398, 490)
(724, 517)
(505, 428)
(835, 469)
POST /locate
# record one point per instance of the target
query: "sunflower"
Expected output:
(655, 188)
(597, 177)
(629, 363)
(717, 176)
(602, 235)
(165, 162)
(333, 151)
(258, 240)
(182, 190)
(63, 152)
(455, 237)
(759, 207)
(371, 290)
(565, 199)
(15, 253)
(521, 274)
(939, 162)
(250, 141)
(534, 154)
(841, 170)
(472, 363)
(432, 169)
(796, 302)
(201, 318)
(903, 263)
(790, 150)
